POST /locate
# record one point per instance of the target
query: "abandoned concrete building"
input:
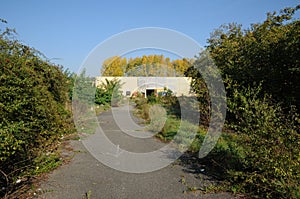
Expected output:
(151, 85)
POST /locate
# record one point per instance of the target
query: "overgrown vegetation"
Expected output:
(163, 115)
(270, 139)
(83, 101)
(258, 152)
(260, 68)
(266, 52)
(34, 113)
(88, 101)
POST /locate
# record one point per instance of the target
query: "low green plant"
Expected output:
(100, 108)
(152, 99)
(46, 162)
(87, 195)
(169, 130)
(185, 135)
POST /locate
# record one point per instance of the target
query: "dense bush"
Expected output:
(33, 97)
(260, 68)
(267, 52)
(270, 140)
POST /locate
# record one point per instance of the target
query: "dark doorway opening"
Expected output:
(149, 92)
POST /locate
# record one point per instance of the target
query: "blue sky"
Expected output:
(66, 31)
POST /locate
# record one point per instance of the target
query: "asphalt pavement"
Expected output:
(89, 174)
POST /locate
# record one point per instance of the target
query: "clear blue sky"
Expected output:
(69, 30)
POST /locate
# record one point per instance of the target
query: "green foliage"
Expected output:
(260, 67)
(262, 157)
(188, 135)
(199, 87)
(266, 52)
(109, 93)
(152, 99)
(164, 117)
(71, 78)
(169, 130)
(33, 98)
(185, 135)
(46, 162)
(83, 102)
(142, 107)
(84, 89)
(227, 155)
(271, 141)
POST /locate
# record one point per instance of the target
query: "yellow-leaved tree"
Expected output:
(114, 66)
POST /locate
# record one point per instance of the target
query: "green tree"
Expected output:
(266, 52)
(84, 89)
(109, 93)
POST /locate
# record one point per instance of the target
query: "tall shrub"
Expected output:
(270, 140)
(33, 114)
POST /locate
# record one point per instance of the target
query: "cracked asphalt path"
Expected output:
(85, 174)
